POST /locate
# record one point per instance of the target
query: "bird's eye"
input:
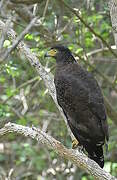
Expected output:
(52, 52)
(55, 50)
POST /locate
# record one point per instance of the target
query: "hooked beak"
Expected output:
(51, 53)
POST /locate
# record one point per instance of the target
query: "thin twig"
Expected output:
(113, 14)
(45, 9)
(47, 77)
(19, 38)
(100, 50)
(64, 28)
(1, 4)
(106, 78)
(21, 86)
(27, 2)
(4, 32)
(84, 22)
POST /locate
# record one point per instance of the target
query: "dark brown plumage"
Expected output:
(80, 97)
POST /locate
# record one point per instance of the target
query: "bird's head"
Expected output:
(61, 53)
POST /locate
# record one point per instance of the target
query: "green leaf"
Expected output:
(7, 43)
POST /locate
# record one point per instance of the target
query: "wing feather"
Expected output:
(78, 93)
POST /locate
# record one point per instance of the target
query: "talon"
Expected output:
(75, 143)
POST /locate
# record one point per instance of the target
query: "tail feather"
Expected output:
(97, 156)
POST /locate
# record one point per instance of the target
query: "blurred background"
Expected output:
(24, 98)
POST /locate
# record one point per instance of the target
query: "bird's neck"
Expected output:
(64, 60)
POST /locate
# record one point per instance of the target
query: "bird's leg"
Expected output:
(81, 148)
(75, 143)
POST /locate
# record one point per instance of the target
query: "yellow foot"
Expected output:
(74, 143)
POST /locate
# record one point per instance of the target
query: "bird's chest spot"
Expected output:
(65, 98)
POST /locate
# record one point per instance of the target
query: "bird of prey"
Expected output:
(80, 97)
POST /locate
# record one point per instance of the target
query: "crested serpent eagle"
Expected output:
(80, 97)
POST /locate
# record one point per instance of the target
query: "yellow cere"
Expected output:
(52, 52)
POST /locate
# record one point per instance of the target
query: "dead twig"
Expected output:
(45, 9)
(4, 32)
(87, 25)
(19, 38)
(47, 77)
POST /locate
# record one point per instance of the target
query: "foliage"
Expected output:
(20, 86)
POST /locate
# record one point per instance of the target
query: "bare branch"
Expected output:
(45, 9)
(47, 78)
(4, 32)
(24, 102)
(100, 50)
(37, 78)
(113, 14)
(104, 60)
(1, 4)
(78, 158)
(24, 12)
(19, 38)
(26, 1)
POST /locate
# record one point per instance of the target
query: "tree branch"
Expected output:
(100, 50)
(47, 77)
(78, 158)
(4, 31)
(26, 1)
(24, 12)
(88, 26)
(19, 38)
(113, 14)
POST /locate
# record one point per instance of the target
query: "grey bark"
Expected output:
(78, 158)
(113, 14)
